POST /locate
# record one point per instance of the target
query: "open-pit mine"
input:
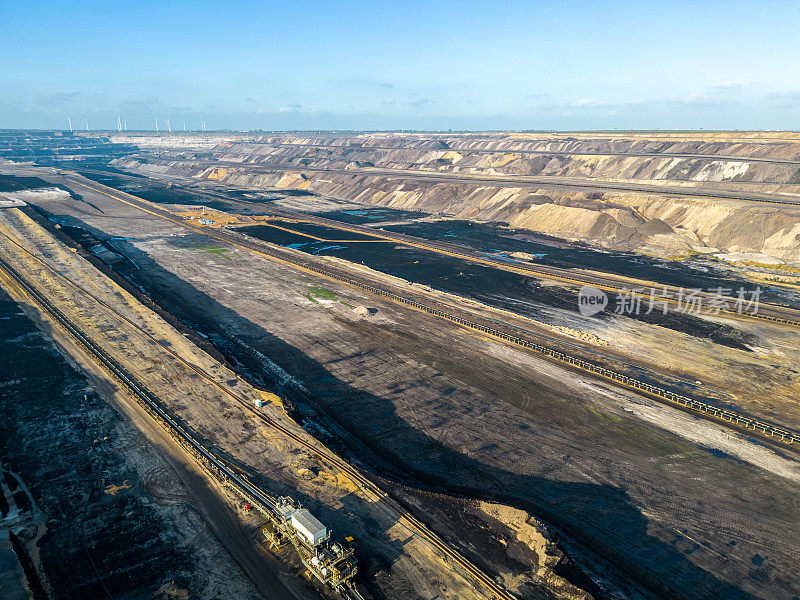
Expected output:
(391, 366)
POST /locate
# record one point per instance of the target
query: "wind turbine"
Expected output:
(87, 124)
(70, 123)
(125, 121)
(156, 124)
(169, 127)
(119, 124)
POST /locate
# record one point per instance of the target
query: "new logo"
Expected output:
(591, 300)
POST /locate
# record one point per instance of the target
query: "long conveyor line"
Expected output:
(140, 391)
(504, 265)
(262, 497)
(762, 428)
(482, 258)
(520, 181)
(215, 465)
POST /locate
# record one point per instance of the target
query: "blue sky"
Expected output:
(401, 65)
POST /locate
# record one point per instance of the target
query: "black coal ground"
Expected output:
(66, 443)
(503, 289)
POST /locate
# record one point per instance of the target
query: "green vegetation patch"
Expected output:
(315, 292)
(215, 250)
(607, 417)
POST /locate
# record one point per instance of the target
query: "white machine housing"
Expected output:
(308, 527)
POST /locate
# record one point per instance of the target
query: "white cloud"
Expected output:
(419, 103)
(697, 98)
(291, 108)
(589, 103)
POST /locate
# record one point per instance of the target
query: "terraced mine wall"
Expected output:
(360, 169)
